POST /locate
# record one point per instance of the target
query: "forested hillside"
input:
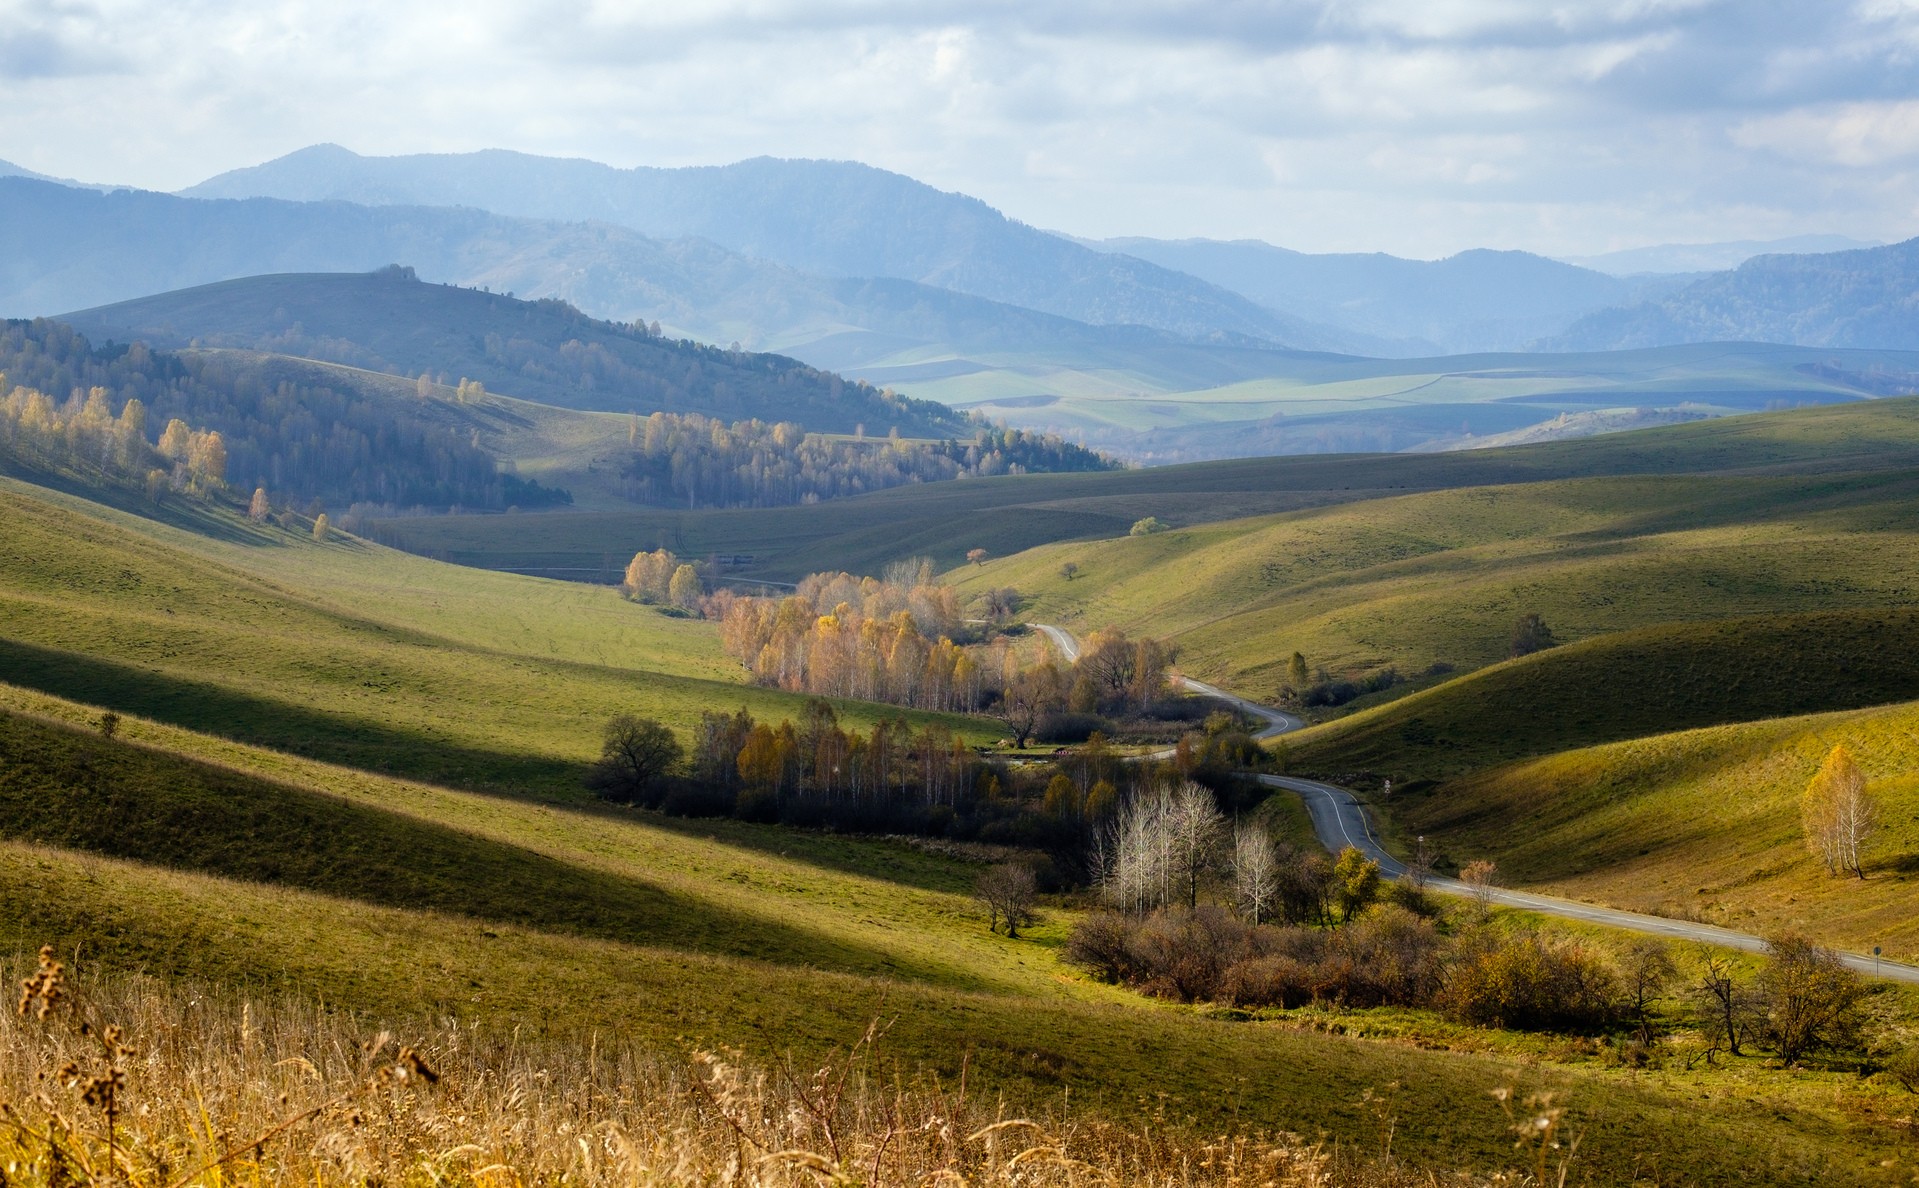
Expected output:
(539, 350)
(305, 442)
(1867, 297)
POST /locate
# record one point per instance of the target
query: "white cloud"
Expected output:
(1421, 126)
(1862, 135)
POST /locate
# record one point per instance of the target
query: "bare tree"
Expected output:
(1419, 869)
(1197, 834)
(1069, 571)
(1162, 844)
(1530, 634)
(1481, 879)
(1255, 873)
(1725, 1003)
(1008, 891)
(1028, 697)
(1646, 970)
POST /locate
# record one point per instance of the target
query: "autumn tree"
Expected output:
(1481, 879)
(683, 590)
(1808, 998)
(634, 753)
(259, 507)
(649, 576)
(976, 556)
(1355, 882)
(1298, 675)
(1839, 813)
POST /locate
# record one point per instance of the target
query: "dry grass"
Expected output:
(209, 1089)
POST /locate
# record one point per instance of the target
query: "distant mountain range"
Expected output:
(1864, 298)
(1475, 301)
(874, 275)
(830, 218)
(1711, 257)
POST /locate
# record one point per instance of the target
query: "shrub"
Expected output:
(1524, 982)
(1147, 526)
(1101, 944)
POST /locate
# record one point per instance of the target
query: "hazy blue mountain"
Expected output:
(833, 218)
(1863, 298)
(545, 350)
(9, 169)
(72, 249)
(1710, 257)
(1475, 301)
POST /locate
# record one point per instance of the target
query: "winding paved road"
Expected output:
(1340, 820)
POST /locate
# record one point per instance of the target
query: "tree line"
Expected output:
(326, 443)
(696, 461)
(902, 639)
(86, 436)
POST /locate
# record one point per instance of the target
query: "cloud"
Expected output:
(1421, 126)
(1861, 135)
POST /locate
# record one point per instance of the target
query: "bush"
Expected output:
(1102, 945)
(1061, 728)
(1523, 982)
(1147, 526)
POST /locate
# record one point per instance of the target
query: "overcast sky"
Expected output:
(1419, 127)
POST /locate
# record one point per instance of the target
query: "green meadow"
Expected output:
(211, 862)
(349, 651)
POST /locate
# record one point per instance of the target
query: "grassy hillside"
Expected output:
(1625, 685)
(1008, 515)
(346, 650)
(1442, 577)
(1703, 824)
(727, 934)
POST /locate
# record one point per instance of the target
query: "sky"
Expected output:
(1418, 127)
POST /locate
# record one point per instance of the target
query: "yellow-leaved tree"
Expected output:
(1839, 813)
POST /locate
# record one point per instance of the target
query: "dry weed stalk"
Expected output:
(212, 1098)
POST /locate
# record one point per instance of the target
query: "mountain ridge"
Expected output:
(833, 218)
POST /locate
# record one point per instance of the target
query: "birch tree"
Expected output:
(1839, 813)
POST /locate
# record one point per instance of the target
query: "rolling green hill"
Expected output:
(1010, 515)
(780, 945)
(1627, 684)
(346, 650)
(1782, 513)
(1702, 824)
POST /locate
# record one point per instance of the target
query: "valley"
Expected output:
(520, 671)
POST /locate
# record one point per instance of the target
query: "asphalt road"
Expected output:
(1340, 820)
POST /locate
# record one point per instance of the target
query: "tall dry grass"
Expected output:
(128, 1080)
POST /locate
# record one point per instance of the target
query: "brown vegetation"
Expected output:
(208, 1089)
